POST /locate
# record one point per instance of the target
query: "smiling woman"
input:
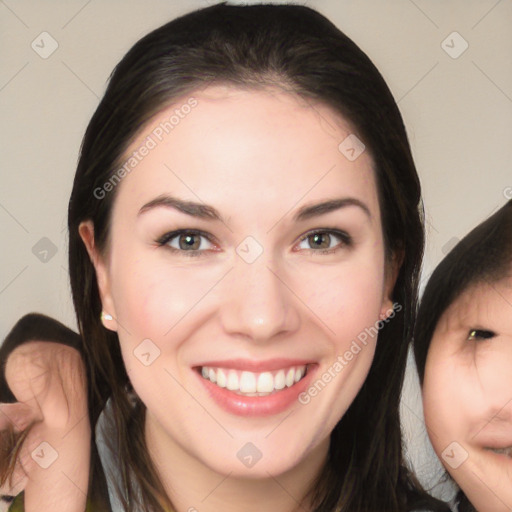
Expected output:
(222, 277)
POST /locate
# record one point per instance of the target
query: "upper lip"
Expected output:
(255, 366)
(498, 447)
(495, 439)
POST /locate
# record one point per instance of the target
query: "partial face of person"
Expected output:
(246, 268)
(468, 394)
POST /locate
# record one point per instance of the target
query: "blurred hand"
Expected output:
(50, 383)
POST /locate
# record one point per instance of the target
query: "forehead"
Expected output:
(248, 146)
(485, 303)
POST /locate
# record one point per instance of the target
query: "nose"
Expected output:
(258, 305)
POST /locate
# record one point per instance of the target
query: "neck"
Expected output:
(193, 486)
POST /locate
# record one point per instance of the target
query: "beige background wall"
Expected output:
(457, 108)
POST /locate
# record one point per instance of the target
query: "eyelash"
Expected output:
(480, 334)
(346, 240)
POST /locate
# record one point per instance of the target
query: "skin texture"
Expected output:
(257, 157)
(468, 393)
(49, 381)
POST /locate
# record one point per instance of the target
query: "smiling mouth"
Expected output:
(501, 451)
(247, 383)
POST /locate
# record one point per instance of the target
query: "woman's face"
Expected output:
(468, 394)
(247, 294)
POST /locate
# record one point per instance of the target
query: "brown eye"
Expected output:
(189, 242)
(480, 334)
(320, 241)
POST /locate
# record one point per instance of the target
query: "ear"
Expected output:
(108, 317)
(392, 270)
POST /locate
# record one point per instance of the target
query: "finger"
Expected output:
(17, 416)
(50, 378)
(65, 402)
(27, 371)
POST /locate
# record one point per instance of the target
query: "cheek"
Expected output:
(349, 304)
(461, 390)
(356, 294)
(493, 375)
(152, 296)
(155, 295)
(442, 400)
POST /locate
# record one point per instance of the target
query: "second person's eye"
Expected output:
(480, 334)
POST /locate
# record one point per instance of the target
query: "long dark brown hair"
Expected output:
(254, 46)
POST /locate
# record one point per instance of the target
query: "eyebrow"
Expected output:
(204, 211)
(200, 210)
(308, 211)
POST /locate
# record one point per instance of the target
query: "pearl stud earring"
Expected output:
(105, 316)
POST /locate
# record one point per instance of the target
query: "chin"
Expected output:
(264, 468)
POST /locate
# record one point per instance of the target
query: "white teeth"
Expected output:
(254, 384)
(247, 382)
(290, 377)
(265, 383)
(232, 383)
(279, 382)
(221, 378)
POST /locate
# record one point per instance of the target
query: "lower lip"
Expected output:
(257, 405)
